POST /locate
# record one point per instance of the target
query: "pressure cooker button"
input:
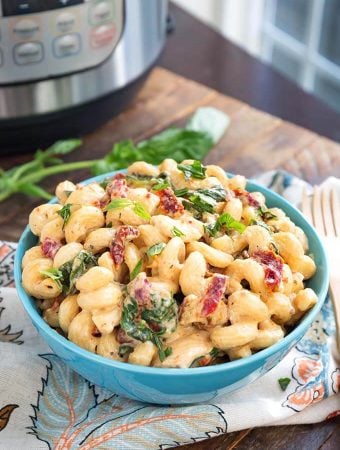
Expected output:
(26, 28)
(28, 53)
(101, 12)
(65, 22)
(67, 45)
(102, 35)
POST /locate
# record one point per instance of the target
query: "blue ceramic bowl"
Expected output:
(179, 386)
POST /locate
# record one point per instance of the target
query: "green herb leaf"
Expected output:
(230, 223)
(34, 191)
(284, 382)
(261, 224)
(201, 361)
(137, 180)
(211, 121)
(65, 213)
(81, 264)
(119, 203)
(227, 221)
(215, 352)
(177, 232)
(168, 351)
(137, 207)
(264, 212)
(63, 147)
(136, 270)
(161, 185)
(200, 203)
(156, 249)
(181, 192)
(194, 170)
(54, 274)
(141, 211)
(218, 193)
(125, 350)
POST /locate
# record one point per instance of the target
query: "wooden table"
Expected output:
(256, 141)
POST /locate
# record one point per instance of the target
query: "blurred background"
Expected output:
(300, 38)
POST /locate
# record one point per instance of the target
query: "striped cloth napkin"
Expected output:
(45, 405)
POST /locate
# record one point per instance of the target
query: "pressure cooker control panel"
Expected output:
(46, 38)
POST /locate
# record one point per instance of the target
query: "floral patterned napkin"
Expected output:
(45, 405)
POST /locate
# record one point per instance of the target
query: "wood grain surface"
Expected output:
(255, 142)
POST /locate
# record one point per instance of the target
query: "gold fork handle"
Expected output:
(334, 290)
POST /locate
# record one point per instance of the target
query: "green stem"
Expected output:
(43, 173)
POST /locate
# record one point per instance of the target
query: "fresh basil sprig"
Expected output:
(194, 141)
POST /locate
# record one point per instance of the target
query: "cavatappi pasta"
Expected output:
(169, 266)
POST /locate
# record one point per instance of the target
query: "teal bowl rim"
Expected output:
(284, 344)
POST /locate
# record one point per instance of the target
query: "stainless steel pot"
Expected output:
(59, 57)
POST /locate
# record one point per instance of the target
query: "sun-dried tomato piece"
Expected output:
(214, 293)
(141, 290)
(246, 198)
(273, 267)
(117, 188)
(169, 203)
(50, 247)
(124, 233)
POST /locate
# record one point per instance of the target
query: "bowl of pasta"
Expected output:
(172, 283)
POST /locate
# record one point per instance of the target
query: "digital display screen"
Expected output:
(18, 7)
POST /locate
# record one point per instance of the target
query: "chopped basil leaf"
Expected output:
(200, 203)
(125, 350)
(155, 249)
(141, 211)
(264, 212)
(284, 382)
(136, 270)
(81, 264)
(168, 351)
(65, 213)
(137, 207)
(54, 274)
(215, 352)
(161, 185)
(138, 180)
(177, 232)
(139, 328)
(218, 193)
(104, 183)
(109, 225)
(275, 247)
(194, 170)
(181, 192)
(261, 224)
(61, 276)
(118, 203)
(197, 362)
(227, 221)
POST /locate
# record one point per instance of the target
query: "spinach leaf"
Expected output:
(81, 264)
